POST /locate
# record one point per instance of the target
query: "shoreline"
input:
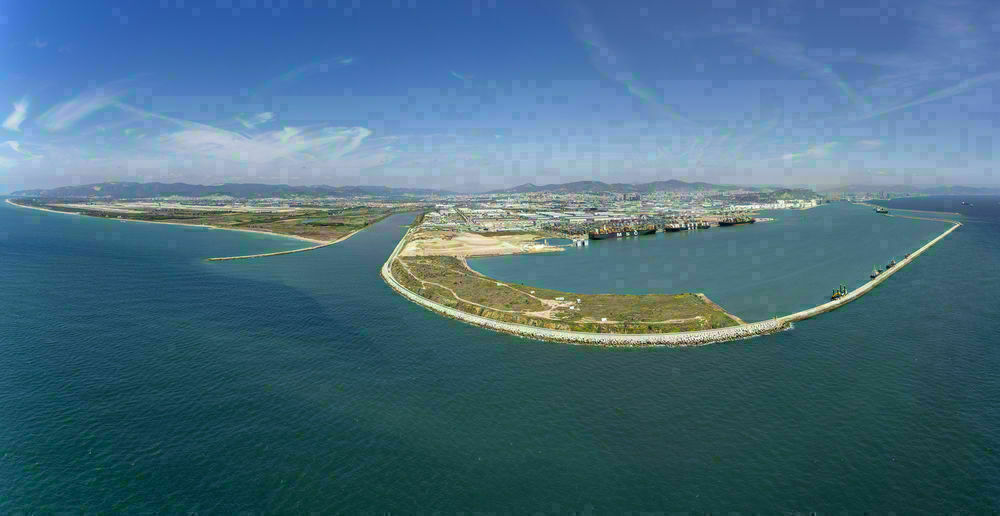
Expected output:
(304, 239)
(319, 243)
(278, 253)
(679, 339)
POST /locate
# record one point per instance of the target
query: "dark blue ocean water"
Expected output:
(135, 376)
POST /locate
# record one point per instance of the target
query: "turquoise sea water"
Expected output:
(135, 376)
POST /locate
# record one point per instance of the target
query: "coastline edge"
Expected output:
(679, 339)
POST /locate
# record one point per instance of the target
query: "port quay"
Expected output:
(691, 338)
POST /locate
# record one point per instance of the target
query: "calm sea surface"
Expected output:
(137, 377)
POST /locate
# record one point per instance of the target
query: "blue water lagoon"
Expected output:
(754, 271)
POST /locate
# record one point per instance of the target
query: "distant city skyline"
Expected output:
(475, 96)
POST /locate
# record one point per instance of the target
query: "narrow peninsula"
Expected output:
(321, 226)
(425, 269)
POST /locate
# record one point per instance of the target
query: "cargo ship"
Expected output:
(733, 221)
(880, 209)
(620, 232)
(839, 292)
(676, 226)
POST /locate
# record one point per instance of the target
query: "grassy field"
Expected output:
(317, 224)
(448, 281)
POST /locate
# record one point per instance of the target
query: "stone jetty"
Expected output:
(867, 287)
(691, 338)
(262, 255)
(279, 253)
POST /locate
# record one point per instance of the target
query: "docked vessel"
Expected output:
(733, 221)
(881, 209)
(875, 272)
(676, 226)
(890, 264)
(839, 292)
(620, 232)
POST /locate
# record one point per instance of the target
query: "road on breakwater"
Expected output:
(691, 338)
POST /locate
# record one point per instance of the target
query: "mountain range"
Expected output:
(133, 190)
(127, 190)
(672, 185)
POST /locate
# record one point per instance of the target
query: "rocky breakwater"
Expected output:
(691, 338)
(867, 287)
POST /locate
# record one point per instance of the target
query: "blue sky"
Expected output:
(483, 94)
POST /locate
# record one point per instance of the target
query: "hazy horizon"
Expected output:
(477, 96)
(820, 188)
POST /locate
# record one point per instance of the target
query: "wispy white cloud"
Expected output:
(39, 43)
(300, 73)
(21, 153)
(944, 54)
(945, 57)
(785, 51)
(14, 120)
(941, 94)
(63, 116)
(614, 67)
(141, 113)
(316, 144)
(815, 152)
(258, 119)
(870, 144)
(16, 147)
(322, 144)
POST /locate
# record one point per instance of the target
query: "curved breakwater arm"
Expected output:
(691, 338)
(278, 253)
(867, 287)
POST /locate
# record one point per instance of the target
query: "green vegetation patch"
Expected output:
(317, 224)
(446, 280)
(449, 273)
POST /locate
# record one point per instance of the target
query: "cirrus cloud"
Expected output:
(289, 143)
(65, 115)
(14, 120)
(815, 152)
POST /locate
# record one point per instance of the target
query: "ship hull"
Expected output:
(621, 234)
(735, 223)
